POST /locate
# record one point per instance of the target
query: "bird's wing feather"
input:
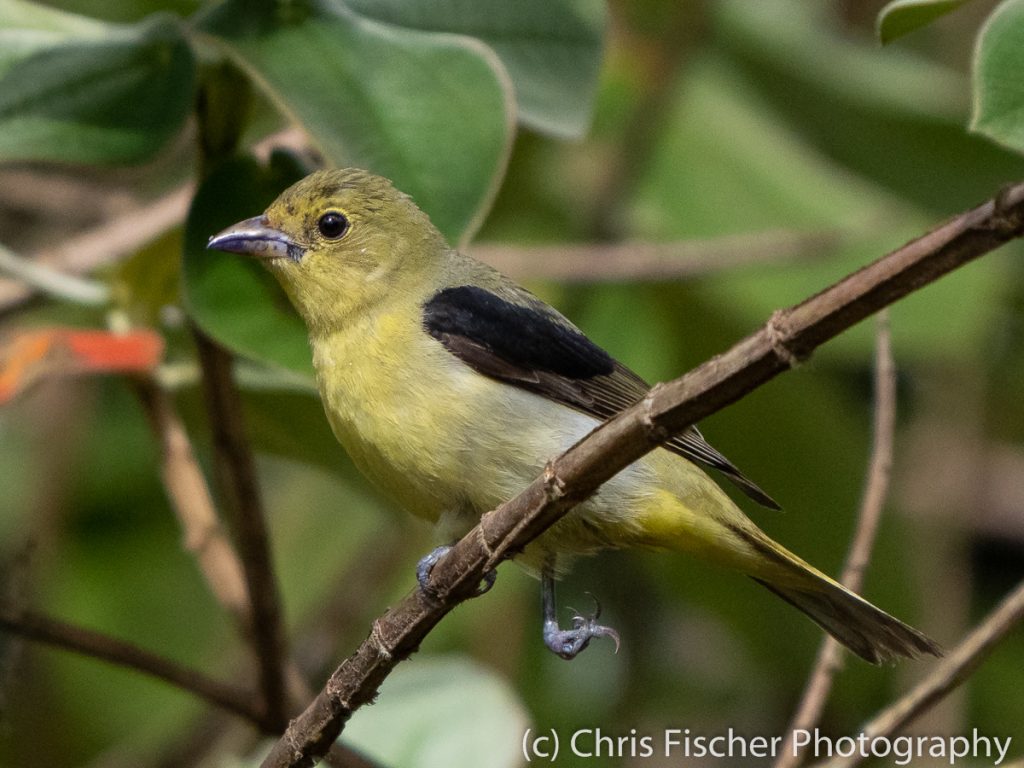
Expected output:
(527, 344)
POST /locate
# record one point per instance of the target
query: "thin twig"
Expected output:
(192, 503)
(787, 338)
(112, 241)
(949, 673)
(601, 262)
(116, 239)
(122, 235)
(38, 276)
(880, 470)
(14, 593)
(237, 471)
(43, 629)
(830, 654)
(105, 244)
(206, 539)
(96, 645)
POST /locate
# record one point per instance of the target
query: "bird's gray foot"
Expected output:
(567, 643)
(428, 561)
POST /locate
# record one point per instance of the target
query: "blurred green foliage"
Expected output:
(77, 90)
(707, 119)
(901, 17)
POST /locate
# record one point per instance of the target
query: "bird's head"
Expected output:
(339, 241)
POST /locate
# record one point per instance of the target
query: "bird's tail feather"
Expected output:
(868, 631)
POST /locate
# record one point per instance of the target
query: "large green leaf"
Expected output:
(26, 27)
(551, 48)
(129, 10)
(76, 90)
(433, 112)
(231, 297)
(803, 40)
(891, 115)
(724, 164)
(441, 713)
(998, 85)
(901, 17)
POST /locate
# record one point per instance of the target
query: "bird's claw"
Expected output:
(567, 643)
(486, 583)
(428, 561)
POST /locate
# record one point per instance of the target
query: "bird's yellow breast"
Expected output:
(385, 415)
(445, 442)
(449, 444)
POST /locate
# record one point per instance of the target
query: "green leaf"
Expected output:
(129, 10)
(998, 85)
(420, 718)
(551, 48)
(799, 40)
(901, 17)
(233, 298)
(890, 115)
(739, 158)
(26, 27)
(432, 112)
(76, 90)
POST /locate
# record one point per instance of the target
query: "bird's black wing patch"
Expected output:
(543, 353)
(521, 336)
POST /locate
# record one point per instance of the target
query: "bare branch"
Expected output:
(43, 629)
(190, 498)
(96, 645)
(787, 338)
(597, 262)
(125, 233)
(105, 244)
(38, 276)
(237, 472)
(880, 469)
(206, 539)
(830, 655)
(950, 672)
(116, 239)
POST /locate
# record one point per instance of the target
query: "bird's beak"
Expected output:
(256, 237)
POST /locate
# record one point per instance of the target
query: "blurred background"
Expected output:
(770, 148)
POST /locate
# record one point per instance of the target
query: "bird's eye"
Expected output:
(332, 225)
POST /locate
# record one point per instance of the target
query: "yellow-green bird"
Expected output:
(451, 387)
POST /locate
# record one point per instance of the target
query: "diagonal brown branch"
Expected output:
(830, 655)
(787, 338)
(954, 669)
(43, 629)
(190, 498)
(237, 472)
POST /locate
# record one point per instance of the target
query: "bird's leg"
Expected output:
(569, 642)
(429, 560)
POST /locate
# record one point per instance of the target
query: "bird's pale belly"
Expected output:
(482, 455)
